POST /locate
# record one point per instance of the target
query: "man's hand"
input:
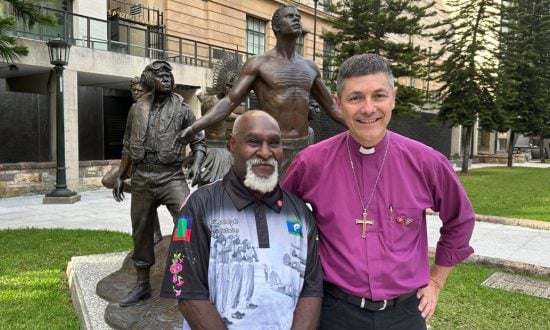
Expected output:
(428, 299)
(183, 138)
(118, 192)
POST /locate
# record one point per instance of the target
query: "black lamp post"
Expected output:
(58, 50)
(314, 26)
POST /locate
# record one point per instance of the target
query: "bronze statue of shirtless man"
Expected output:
(283, 81)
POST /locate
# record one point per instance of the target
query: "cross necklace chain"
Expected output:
(364, 220)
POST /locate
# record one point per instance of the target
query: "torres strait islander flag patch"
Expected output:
(294, 227)
(183, 229)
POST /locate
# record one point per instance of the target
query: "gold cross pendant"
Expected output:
(364, 222)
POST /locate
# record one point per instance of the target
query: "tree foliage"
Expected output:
(524, 76)
(467, 68)
(29, 13)
(385, 27)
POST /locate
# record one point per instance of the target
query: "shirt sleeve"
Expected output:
(456, 213)
(295, 172)
(186, 272)
(313, 277)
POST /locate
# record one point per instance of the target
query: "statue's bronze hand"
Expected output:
(194, 174)
(118, 190)
(182, 139)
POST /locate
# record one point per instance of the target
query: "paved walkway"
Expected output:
(498, 243)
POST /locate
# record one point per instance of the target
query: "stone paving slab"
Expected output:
(519, 283)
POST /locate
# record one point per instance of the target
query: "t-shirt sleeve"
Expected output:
(313, 277)
(186, 272)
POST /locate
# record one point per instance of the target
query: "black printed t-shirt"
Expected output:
(255, 257)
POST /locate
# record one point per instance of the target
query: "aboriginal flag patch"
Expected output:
(294, 227)
(183, 229)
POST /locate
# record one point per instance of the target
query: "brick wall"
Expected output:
(20, 179)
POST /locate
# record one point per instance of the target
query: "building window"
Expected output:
(502, 142)
(300, 45)
(329, 69)
(255, 35)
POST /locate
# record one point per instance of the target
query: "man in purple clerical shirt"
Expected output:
(371, 211)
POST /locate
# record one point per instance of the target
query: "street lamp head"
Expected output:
(59, 51)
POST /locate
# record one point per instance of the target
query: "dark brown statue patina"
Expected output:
(109, 179)
(283, 82)
(157, 179)
(218, 158)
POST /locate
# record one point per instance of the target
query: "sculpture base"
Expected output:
(52, 199)
(98, 282)
(153, 313)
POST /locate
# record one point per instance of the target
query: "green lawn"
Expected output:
(517, 192)
(465, 304)
(33, 287)
(34, 292)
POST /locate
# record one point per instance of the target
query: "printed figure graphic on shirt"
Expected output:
(250, 257)
(219, 240)
(225, 248)
(236, 278)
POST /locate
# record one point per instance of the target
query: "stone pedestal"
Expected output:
(61, 200)
(153, 313)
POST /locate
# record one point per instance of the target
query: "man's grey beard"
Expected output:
(258, 183)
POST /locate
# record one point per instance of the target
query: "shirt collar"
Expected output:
(242, 196)
(379, 147)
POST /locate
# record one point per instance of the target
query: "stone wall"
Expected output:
(20, 179)
(499, 158)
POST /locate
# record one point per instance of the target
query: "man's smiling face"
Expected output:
(366, 103)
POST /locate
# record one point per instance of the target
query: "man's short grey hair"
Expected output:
(362, 65)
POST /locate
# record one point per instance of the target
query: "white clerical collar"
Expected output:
(367, 151)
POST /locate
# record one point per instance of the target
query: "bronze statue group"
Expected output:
(246, 251)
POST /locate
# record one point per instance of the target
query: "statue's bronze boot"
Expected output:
(141, 291)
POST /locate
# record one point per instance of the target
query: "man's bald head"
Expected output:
(252, 115)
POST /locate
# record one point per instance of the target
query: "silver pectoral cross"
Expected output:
(364, 222)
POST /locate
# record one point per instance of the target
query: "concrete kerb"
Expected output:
(503, 263)
(533, 224)
(514, 266)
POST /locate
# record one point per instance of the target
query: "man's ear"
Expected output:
(337, 101)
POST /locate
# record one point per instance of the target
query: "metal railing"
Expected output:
(119, 37)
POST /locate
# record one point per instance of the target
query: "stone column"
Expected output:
(70, 99)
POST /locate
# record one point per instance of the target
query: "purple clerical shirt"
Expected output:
(393, 258)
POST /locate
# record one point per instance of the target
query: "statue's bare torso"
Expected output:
(283, 88)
